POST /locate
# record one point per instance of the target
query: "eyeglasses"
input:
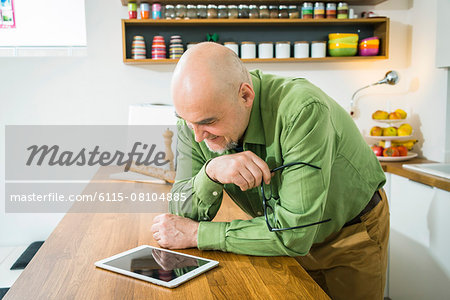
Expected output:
(268, 209)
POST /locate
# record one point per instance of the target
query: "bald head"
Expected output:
(213, 92)
(209, 66)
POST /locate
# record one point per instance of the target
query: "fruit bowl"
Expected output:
(389, 138)
(393, 121)
(397, 158)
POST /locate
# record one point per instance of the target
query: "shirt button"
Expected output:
(215, 193)
(259, 213)
(205, 219)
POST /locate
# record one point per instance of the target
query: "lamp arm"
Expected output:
(357, 91)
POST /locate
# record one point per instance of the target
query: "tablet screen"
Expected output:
(157, 263)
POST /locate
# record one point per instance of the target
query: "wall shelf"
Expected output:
(257, 30)
(257, 2)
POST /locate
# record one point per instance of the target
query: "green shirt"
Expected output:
(291, 120)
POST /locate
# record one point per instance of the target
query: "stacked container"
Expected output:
(158, 47)
(176, 47)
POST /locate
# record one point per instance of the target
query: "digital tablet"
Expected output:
(156, 265)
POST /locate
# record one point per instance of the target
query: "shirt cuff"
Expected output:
(205, 188)
(211, 236)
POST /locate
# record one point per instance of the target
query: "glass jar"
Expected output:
(243, 11)
(331, 10)
(307, 10)
(319, 10)
(180, 11)
(169, 12)
(342, 10)
(263, 12)
(233, 12)
(212, 11)
(283, 12)
(273, 11)
(132, 10)
(253, 12)
(202, 12)
(191, 11)
(222, 12)
(293, 12)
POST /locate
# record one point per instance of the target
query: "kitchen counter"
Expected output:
(397, 168)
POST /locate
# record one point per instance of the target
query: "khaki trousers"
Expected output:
(351, 263)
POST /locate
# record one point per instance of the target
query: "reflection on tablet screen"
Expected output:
(157, 264)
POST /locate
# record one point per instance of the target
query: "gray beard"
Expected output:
(229, 146)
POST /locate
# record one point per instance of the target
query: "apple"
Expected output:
(391, 151)
(376, 131)
(402, 150)
(380, 115)
(402, 113)
(390, 131)
(394, 116)
(378, 150)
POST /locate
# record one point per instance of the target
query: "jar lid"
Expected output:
(222, 6)
(230, 43)
(191, 6)
(283, 6)
(331, 4)
(342, 4)
(212, 6)
(247, 42)
(201, 6)
(263, 7)
(243, 6)
(180, 5)
(301, 42)
(169, 6)
(307, 4)
(284, 42)
(232, 6)
(273, 6)
(253, 6)
(318, 42)
(318, 4)
(292, 6)
(266, 43)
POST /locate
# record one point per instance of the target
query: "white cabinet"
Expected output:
(419, 258)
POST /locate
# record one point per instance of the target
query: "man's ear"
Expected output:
(247, 94)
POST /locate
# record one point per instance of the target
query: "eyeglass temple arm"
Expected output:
(293, 164)
(301, 226)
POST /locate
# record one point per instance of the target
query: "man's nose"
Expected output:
(200, 134)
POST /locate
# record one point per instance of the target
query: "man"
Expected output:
(325, 206)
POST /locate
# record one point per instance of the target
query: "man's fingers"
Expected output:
(248, 177)
(263, 167)
(256, 173)
(155, 227)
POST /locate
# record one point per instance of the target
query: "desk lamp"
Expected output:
(390, 78)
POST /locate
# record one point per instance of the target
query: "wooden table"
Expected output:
(64, 266)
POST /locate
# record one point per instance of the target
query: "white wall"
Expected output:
(98, 89)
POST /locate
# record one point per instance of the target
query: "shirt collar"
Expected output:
(255, 130)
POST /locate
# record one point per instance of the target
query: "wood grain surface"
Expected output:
(64, 266)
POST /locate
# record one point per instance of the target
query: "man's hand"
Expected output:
(174, 232)
(244, 169)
